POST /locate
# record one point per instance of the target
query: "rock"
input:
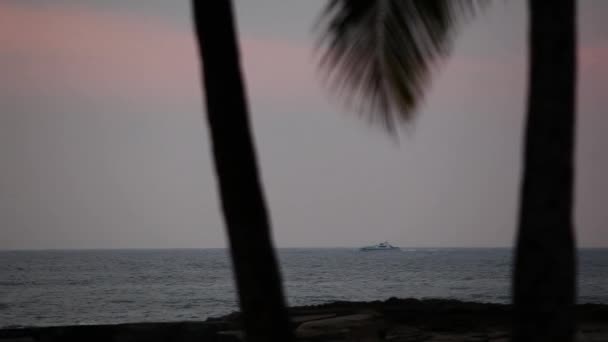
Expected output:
(406, 334)
(336, 326)
(476, 338)
(498, 335)
(231, 336)
(307, 318)
(580, 337)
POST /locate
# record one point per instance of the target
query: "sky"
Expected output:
(103, 142)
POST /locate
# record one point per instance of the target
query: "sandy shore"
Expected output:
(391, 320)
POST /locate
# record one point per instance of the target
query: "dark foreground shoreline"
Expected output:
(390, 320)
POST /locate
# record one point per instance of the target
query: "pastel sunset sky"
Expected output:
(104, 144)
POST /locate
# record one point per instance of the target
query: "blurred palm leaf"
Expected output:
(381, 52)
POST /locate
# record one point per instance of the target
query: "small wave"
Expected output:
(12, 283)
(122, 301)
(13, 326)
(88, 323)
(79, 282)
(3, 306)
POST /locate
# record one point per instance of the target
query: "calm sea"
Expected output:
(110, 286)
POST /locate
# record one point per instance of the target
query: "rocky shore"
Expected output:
(391, 320)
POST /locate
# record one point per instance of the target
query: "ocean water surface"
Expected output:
(41, 288)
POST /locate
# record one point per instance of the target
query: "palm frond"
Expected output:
(379, 53)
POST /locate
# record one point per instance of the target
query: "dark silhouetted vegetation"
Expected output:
(382, 53)
(545, 279)
(257, 275)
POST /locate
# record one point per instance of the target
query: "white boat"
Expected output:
(383, 246)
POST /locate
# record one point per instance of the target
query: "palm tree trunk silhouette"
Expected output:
(257, 275)
(544, 277)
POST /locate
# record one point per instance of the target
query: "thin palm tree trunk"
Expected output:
(545, 277)
(257, 275)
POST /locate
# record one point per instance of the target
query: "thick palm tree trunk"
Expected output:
(257, 275)
(545, 276)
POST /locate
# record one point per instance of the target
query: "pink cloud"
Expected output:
(502, 77)
(594, 57)
(279, 70)
(62, 50)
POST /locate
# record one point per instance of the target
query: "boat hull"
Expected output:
(375, 249)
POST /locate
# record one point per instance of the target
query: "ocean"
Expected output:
(42, 288)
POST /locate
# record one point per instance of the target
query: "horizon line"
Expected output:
(226, 248)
